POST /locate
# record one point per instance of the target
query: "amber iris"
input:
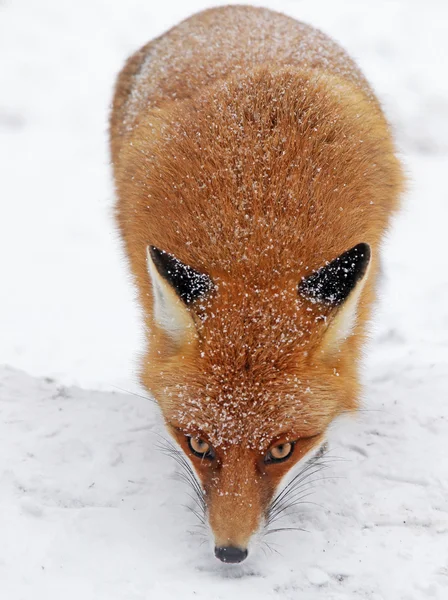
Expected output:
(279, 453)
(200, 448)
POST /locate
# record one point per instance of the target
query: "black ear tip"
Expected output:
(156, 256)
(362, 254)
(363, 250)
(188, 283)
(332, 283)
(155, 252)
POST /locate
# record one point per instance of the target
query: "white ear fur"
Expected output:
(344, 322)
(170, 313)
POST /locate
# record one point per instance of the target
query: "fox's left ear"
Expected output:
(175, 288)
(338, 285)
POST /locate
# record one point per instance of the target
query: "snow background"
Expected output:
(88, 507)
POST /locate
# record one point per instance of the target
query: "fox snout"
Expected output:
(236, 512)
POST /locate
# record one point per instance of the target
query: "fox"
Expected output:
(256, 176)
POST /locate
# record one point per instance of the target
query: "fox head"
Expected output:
(249, 374)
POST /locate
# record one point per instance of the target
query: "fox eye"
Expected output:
(201, 448)
(279, 453)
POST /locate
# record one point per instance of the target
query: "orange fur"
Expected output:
(250, 147)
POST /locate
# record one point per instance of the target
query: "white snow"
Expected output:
(89, 507)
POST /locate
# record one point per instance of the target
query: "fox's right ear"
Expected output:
(175, 287)
(338, 286)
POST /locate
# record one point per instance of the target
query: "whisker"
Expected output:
(285, 514)
(134, 394)
(301, 476)
(291, 497)
(196, 501)
(196, 514)
(187, 476)
(270, 548)
(303, 486)
(279, 510)
(197, 533)
(278, 529)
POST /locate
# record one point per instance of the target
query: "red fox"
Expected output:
(256, 176)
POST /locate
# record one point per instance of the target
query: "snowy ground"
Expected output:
(88, 507)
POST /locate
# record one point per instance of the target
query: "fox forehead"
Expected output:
(251, 415)
(252, 337)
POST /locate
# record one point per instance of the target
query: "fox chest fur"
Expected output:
(256, 176)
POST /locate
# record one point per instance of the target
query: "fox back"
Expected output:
(256, 176)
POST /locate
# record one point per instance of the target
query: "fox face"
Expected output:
(249, 374)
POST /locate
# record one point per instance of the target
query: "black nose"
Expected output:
(230, 554)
